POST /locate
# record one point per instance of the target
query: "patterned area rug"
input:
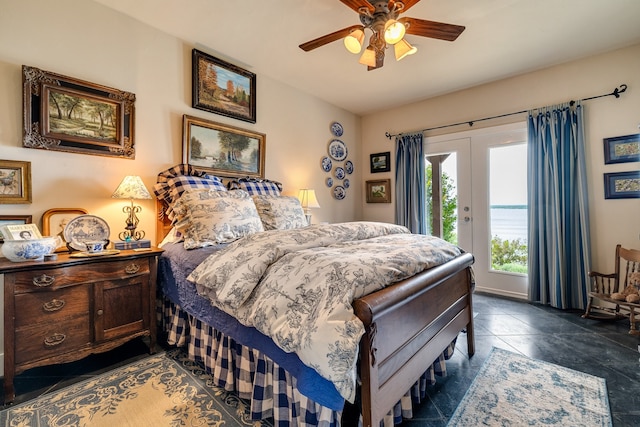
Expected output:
(166, 389)
(513, 390)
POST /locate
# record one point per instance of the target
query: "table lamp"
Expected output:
(131, 188)
(308, 200)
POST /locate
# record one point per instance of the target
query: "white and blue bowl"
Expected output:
(29, 250)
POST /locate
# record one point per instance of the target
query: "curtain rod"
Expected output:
(616, 92)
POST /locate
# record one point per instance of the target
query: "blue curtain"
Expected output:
(559, 242)
(410, 183)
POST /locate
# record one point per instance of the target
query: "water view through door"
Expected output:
(484, 172)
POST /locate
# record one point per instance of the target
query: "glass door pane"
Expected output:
(508, 207)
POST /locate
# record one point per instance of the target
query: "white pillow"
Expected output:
(209, 217)
(280, 212)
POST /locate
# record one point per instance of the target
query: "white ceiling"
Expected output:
(503, 38)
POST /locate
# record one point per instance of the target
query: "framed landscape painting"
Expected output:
(62, 113)
(223, 150)
(223, 88)
(380, 162)
(379, 191)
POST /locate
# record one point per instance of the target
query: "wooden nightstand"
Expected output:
(63, 310)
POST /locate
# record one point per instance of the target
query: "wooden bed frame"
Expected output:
(408, 325)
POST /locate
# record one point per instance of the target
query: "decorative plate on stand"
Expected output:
(85, 228)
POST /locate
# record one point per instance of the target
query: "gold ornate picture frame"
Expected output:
(62, 113)
(223, 150)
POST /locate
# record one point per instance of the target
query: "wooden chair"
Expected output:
(603, 285)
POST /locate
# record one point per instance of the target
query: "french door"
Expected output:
(486, 172)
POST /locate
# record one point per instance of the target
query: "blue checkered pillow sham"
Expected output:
(257, 187)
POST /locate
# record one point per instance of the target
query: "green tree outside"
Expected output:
(506, 255)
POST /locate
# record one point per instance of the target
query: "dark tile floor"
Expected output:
(603, 349)
(564, 338)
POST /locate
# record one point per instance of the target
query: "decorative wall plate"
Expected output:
(346, 183)
(340, 173)
(85, 228)
(348, 166)
(336, 129)
(339, 192)
(329, 182)
(337, 150)
(326, 164)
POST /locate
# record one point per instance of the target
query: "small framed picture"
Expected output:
(15, 182)
(622, 185)
(622, 149)
(379, 191)
(12, 220)
(380, 162)
(21, 232)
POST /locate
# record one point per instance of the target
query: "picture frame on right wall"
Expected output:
(379, 191)
(622, 185)
(380, 162)
(622, 149)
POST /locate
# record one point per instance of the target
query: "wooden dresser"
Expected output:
(63, 310)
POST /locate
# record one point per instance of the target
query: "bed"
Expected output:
(404, 329)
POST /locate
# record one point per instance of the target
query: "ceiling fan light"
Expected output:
(403, 48)
(393, 31)
(368, 57)
(353, 42)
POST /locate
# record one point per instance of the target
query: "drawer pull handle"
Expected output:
(132, 268)
(43, 281)
(55, 339)
(53, 305)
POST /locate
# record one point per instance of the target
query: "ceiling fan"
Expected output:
(381, 18)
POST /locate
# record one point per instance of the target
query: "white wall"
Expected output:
(612, 221)
(87, 41)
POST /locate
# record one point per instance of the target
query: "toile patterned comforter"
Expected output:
(296, 286)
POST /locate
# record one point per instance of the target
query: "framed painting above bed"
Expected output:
(223, 88)
(222, 150)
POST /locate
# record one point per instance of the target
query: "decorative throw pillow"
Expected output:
(280, 212)
(256, 186)
(172, 189)
(209, 217)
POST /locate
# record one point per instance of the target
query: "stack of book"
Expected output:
(132, 244)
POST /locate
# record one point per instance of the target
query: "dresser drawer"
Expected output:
(28, 281)
(51, 307)
(47, 340)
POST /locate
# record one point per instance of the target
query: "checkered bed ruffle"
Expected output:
(271, 390)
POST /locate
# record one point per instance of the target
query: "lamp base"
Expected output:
(308, 216)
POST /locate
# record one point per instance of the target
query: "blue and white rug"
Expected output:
(514, 390)
(165, 389)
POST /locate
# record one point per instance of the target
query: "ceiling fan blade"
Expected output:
(357, 4)
(407, 4)
(432, 29)
(321, 41)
